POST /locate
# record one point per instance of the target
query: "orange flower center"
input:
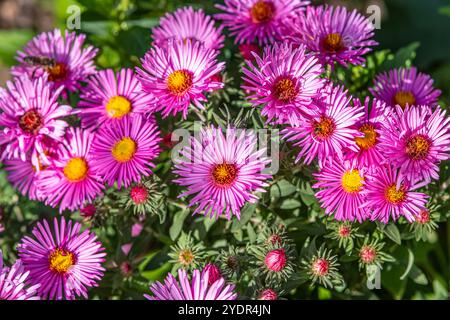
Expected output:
(395, 196)
(324, 127)
(30, 122)
(186, 257)
(224, 174)
(333, 43)
(369, 139)
(61, 260)
(262, 11)
(402, 98)
(58, 72)
(418, 147)
(179, 82)
(285, 90)
(76, 169)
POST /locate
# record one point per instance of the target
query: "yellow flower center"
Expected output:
(224, 174)
(179, 82)
(333, 43)
(404, 97)
(352, 181)
(395, 196)
(186, 257)
(58, 72)
(324, 127)
(76, 169)
(117, 107)
(124, 150)
(285, 90)
(262, 11)
(61, 260)
(418, 147)
(369, 139)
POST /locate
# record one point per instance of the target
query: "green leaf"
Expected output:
(402, 58)
(12, 40)
(251, 233)
(177, 224)
(282, 188)
(392, 232)
(410, 264)
(417, 275)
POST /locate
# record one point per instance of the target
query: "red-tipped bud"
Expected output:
(423, 217)
(275, 260)
(268, 294)
(320, 267)
(88, 210)
(214, 273)
(248, 49)
(368, 254)
(139, 194)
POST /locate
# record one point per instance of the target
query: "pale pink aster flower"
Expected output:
(328, 130)
(333, 34)
(284, 82)
(30, 118)
(343, 188)
(14, 282)
(64, 260)
(258, 20)
(416, 140)
(111, 97)
(179, 75)
(222, 172)
(123, 151)
(188, 24)
(70, 181)
(405, 86)
(390, 195)
(61, 57)
(196, 289)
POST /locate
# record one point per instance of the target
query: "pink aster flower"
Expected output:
(179, 75)
(405, 86)
(124, 151)
(375, 114)
(188, 24)
(333, 34)
(284, 82)
(70, 181)
(222, 171)
(391, 195)
(328, 130)
(258, 20)
(111, 97)
(24, 176)
(63, 260)
(62, 58)
(416, 140)
(13, 283)
(196, 289)
(31, 116)
(343, 188)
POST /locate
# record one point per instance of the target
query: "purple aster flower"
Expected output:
(124, 150)
(222, 171)
(24, 176)
(188, 24)
(63, 59)
(284, 81)
(328, 130)
(416, 140)
(343, 191)
(391, 195)
(31, 116)
(13, 282)
(65, 261)
(196, 289)
(258, 20)
(179, 75)
(405, 86)
(111, 97)
(333, 34)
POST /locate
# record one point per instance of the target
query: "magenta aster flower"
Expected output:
(222, 171)
(391, 195)
(111, 97)
(328, 130)
(375, 114)
(188, 24)
(405, 86)
(124, 151)
(64, 261)
(196, 289)
(343, 188)
(258, 20)
(24, 176)
(416, 140)
(31, 116)
(62, 58)
(179, 75)
(333, 33)
(70, 180)
(13, 282)
(284, 81)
